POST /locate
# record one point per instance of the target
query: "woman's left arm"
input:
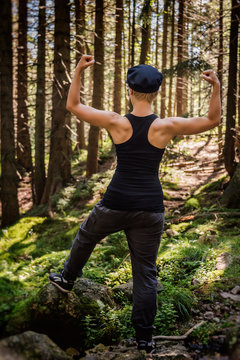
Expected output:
(105, 119)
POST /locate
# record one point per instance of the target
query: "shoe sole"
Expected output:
(59, 287)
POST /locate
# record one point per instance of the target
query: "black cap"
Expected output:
(144, 78)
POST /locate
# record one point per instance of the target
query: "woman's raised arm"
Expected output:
(105, 119)
(195, 125)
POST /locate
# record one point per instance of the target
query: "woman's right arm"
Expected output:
(105, 119)
(189, 126)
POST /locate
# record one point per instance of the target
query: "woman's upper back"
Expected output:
(157, 133)
(137, 154)
(135, 184)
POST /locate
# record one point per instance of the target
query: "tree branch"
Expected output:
(181, 337)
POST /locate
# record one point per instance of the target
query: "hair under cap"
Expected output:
(144, 78)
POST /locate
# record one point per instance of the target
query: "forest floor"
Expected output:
(198, 260)
(197, 164)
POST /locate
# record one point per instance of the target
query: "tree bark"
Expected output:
(185, 57)
(39, 173)
(80, 50)
(170, 111)
(164, 56)
(239, 88)
(133, 33)
(128, 3)
(220, 73)
(155, 102)
(59, 168)
(229, 148)
(179, 92)
(10, 208)
(238, 107)
(98, 88)
(118, 57)
(146, 27)
(231, 195)
(23, 139)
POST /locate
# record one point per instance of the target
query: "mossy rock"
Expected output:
(101, 352)
(191, 204)
(65, 317)
(30, 346)
(216, 184)
(166, 196)
(127, 289)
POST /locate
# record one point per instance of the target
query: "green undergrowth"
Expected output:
(186, 261)
(206, 196)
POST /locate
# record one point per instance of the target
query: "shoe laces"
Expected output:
(64, 279)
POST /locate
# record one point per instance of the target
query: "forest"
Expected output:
(56, 167)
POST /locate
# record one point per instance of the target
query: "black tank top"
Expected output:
(135, 184)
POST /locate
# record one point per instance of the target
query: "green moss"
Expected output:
(192, 203)
(169, 185)
(211, 186)
(166, 196)
(20, 318)
(181, 227)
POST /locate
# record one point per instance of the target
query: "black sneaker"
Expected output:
(148, 346)
(60, 282)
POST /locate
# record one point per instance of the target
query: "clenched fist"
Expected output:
(85, 61)
(210, 76)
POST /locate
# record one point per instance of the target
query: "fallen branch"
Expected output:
(181, 337)
(197, 216)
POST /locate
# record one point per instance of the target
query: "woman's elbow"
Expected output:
(216, 122)
(70, 107)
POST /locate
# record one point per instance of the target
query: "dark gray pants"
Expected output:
(143, 230)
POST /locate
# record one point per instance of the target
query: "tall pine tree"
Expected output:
(118, 57)
(146, 28)
(10, 208)
(80, 50)
(59, 168)
(229, 148)
(179, 91)
(39, 173)
(23, 137)
(98, 88)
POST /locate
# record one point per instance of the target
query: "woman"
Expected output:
(133, 201)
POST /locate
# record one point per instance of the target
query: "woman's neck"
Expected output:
(142, 108)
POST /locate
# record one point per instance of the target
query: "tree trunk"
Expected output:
(126, 64)
(179, 92)
(220, 73)
(155, 102)
(23, 139)
(118, 57)
(59, 168)
(229, 150)
(164, 56)
(170, 111)
(39, 173)
(10, 208)
(231, 195)
(80, 50)
(185, 57)
(238, 107)
(133, 33)
(98, 88)
(239, 88)
(146, 27)
(191, 103)
(129, 35)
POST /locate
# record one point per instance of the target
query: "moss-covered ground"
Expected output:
(186, 263)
